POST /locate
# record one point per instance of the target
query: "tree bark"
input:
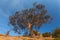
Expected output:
(30, 29)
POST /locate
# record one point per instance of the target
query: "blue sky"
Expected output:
(9, 7)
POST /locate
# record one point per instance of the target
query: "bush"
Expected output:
(56, 33)
(46, 34)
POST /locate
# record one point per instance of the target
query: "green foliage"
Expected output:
(56, 33)
(26, 19)
(46, 34)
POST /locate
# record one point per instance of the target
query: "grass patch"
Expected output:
(57, 39)
(47, 39)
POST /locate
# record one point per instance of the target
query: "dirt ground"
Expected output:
(4, 37)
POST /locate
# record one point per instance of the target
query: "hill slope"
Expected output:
(5, 37)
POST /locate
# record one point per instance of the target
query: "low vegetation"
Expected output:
(57, 39)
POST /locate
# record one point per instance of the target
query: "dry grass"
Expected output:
(4, 37)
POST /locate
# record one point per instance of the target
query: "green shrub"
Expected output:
(46, 34)
(56, 33)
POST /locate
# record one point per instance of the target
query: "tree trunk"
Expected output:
(30, 29)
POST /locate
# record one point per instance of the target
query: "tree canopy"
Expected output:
(56, 33)
(28, 18)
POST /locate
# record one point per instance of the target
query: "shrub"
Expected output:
(47, 34)
(56, 33)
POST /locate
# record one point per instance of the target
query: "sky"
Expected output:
(9, 7)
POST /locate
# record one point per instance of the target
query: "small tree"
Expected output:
(26, 19)
(56, 33)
